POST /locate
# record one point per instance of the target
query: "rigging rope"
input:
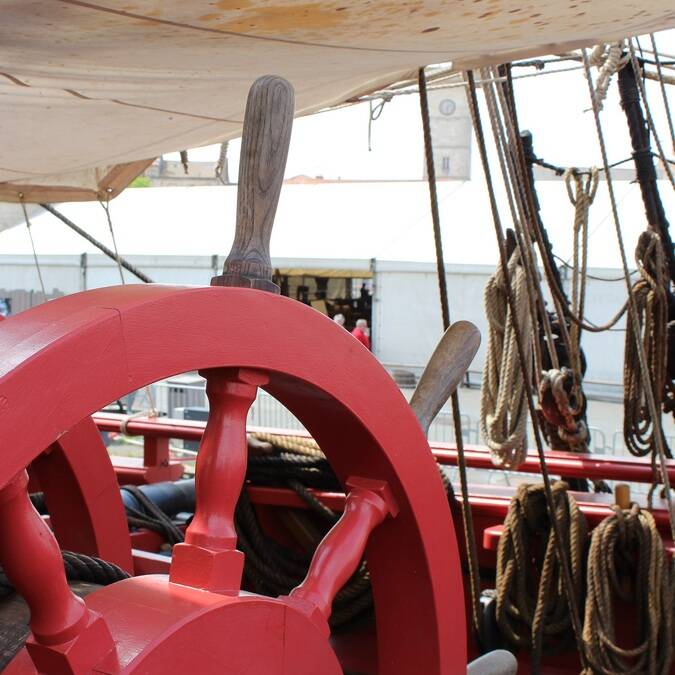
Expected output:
(581, 192)
(662, 85)
(650, 297)
(627, 546)
(565, 565)
(32, 244)
(650, 120)
(503, 410)
(562, 400)
(532, 611)
(81, 567)
(608, 59)
(632, 309)
(106, 208)
(152, 408)
(221, 169)
(300, 445)
(467, 517)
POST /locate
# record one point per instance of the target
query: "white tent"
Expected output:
(332, 220)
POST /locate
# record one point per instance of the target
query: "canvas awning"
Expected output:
(91, 92)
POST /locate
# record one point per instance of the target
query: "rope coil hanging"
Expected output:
(532, 611)
(627, 546)
(561, 396)
(651, 301)
(503, 406)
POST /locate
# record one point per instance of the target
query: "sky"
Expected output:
(334, 145)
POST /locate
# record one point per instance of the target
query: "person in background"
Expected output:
(361, 333)
(339, 319)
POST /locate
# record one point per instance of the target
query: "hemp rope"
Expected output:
(533, 612)
(518, 215)
(662, 85)
(32, 245)
(503, 410)
(567, 578)
(220, 169)
(581, 192)
(650, 120)
(650, 296)
(561, 396)
(300, 445)
(627, 545)
(152, 410)
(562, 403)
(467, 516)
(608, 59)
(660, 444)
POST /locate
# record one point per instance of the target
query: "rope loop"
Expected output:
(650, 295)
(581, 186)
(531, 609)
(627, 563)
(609, 59)
(503, 405)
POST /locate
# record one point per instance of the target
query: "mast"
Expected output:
(530, 157)
(644, 162)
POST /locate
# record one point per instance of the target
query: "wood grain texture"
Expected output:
(267, 133)
(451, 359)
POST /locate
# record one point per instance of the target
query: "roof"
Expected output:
(90, 91)
(333, 221)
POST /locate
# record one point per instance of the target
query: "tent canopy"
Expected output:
(352, 223)
(91, 92)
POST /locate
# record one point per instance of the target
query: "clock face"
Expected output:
(447, 106)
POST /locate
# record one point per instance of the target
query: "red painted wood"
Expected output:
(83, 496)
(340, 552)
(208, 559)
(67, 637)
(131, 472)
(591, 466)
(587, 465)
(146, 562)
(35, 567)
(96, 346)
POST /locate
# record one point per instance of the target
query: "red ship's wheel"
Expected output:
(64, 360)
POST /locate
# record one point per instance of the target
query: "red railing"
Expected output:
(591, 466)
(489, 502)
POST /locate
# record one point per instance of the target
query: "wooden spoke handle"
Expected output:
(338, 555)
(451, 359)
(267, 132)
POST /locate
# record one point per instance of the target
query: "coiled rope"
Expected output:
(532, 611)
(81, 567)
(627, 546)
(503, 407)
(300, 445)
(274, 569)
(150, 516)
(650, 294)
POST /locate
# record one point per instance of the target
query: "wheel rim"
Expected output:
(95, 346)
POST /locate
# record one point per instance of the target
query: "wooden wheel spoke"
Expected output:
(64, 630)
(208, 558)
(338, 555)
